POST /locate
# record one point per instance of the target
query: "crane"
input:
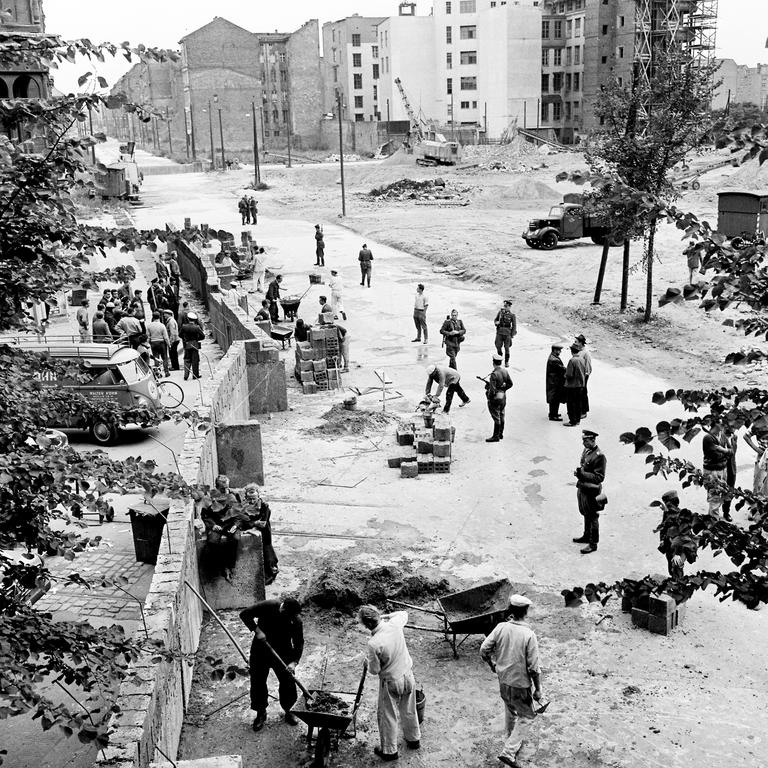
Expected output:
(416, 131)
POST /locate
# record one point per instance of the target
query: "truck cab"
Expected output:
(565, 221)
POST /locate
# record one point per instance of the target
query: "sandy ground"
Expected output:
(621, 697)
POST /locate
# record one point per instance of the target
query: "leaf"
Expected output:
(83, 79)
(103, 82)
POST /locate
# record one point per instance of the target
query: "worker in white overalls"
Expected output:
(337, 286)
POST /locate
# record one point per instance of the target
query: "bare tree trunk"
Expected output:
(649, 272)
(625, 277)
(601, 272)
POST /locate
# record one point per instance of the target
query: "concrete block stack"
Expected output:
(317, 360)
(659, 614)
(426, 444)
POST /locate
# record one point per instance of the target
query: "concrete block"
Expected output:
(661, 605)
(394, 462)
(267, 389)
(307, 376)
(319, 366)
(409, 469)
(663, 625)
(640, 618)
(307, 354)
(306, 365)
(441, 449)
(442, 466)
(239, 450)
(404, 438)
(310, 388)
(247, 584)
(425, 463)
(425, 446)
(442, 434)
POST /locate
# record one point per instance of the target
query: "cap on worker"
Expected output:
(169, 312)
(508, 301)
(581, 338)
(317, 226)
(670, 496)
(557, 345)
(334, 271)
(431, 368)
(192, 316)
(497, 358)
(519, 601)
(589, 433)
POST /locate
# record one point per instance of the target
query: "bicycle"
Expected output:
(171, 395)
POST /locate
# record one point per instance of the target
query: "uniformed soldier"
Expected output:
(506, 329)
(590, 475)
(496, 387)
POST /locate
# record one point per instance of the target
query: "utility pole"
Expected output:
(388, 139)
(485, 119)
(453, 122)
(288, 126)
(210, 130)
(257, 169)
(221, 137)
(341, 153)
(168, 125)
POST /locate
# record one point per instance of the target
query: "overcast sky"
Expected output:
(742, 27)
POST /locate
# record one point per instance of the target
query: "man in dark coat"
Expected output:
(496, 388)
(253, 210)
(273, 295)
(191, 335)
(590, 475)
(575, 375)
(677, 540)
(277, 623)
(245, 213)
(453, 333)
(319, 247)
(555, 382)
(365, 257)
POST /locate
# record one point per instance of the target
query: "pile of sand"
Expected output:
(751, 176)
(340, 422)
(347, 587)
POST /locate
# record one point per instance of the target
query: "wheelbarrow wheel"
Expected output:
(322, 748)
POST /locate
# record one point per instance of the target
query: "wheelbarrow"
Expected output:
(474, 611)
(331, 725)
(281, 333)
(291, 304)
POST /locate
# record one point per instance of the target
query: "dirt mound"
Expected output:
(751, 175)
(347, 587)
(400, 158)
(531, 189)
(339, 422)
(409, 189)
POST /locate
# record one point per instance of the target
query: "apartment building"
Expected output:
(28, 80)
(351, 63)
(740, 84)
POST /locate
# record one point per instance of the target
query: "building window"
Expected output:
(359, 117)
(335, 74)
(449, 85)
(569, 6)
(576, 81)
(569, 28)
(557, 81)
(465, 105)
(568, 56)
(285, 115)
(568, 81)
(374, 51)
(448, 7)
(281, 57)
(276, 132)
(468, 83)
(449, 61)
(577, 28)
(621, 51)
(558, 57)
(621, 82)
(357, 59)
(375, 71)
(266, 132)
(603, 59)
(557, 111)
(605, 29)
(474, 105)
(375, 92)
(575, 107)
(356, 41)
(275, 116)
(558, 29)
(357, 81)
(469, 57)
(545, 57)
(621, 21)
(358, 102)
(448, 35)
(468, 33)
(467, 6)
(577, 54)
(545, 29)
(545, 83)
(544, 113)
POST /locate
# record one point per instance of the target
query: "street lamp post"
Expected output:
(341, 153)
(221, 132)
(210, 130)
(257, 169)
(288, 126)
(168, 125)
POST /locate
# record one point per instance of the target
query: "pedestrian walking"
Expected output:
(191, 335)
(365, 257)
(581, 342)
(496, 387)
(159, 341)
(336, 284)
(319, 246)
(173, 338)
(716, 456)
(448, 379)
(275, 624)
(273, 296)
(420, 306)
(388, 657)
(453, 333)
(574, 384)
(693, 259)
(245, 213)
(555, 382)
(506, 329)
(511, 650)
(253, 210)
(590, 475)
(84, 321)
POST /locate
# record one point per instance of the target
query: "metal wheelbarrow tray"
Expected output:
(474, 611)
(281, 333)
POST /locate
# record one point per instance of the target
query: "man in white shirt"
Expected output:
(388, 658)
(512, 652)
(420, 304)
(446, 378)
(337, 287)
(159, 341)
(84, 321)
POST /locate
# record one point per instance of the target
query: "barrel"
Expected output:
(421, 702)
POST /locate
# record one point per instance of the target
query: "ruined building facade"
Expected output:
(23, 81)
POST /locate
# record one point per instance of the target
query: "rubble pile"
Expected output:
(518, 155)
(409, 189)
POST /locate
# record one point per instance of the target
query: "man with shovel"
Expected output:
(278, 643)
(512, 652)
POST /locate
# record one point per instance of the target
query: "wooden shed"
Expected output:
(742, 214)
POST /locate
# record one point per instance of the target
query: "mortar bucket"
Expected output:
(421, 702)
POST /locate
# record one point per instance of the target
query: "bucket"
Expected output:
(350, 404)
(421, 702)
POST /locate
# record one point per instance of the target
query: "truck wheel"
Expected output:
(738, 243)
(103, 432)
(549, 240)
(695, 185)
(532, 243)
(598, 239)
